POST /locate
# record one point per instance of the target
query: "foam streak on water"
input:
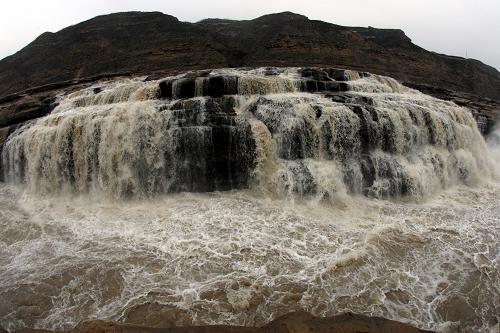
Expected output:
(233, 258)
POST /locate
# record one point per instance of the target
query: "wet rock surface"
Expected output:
(294, 131)
(486, 111)
(159, 45)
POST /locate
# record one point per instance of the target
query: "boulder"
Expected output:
(222, 85)
(183, 88)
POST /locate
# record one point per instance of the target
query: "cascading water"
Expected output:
(221, 131)
(291, 164)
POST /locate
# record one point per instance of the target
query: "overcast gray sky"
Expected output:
(446, 26)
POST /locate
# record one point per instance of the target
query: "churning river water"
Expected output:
(236, 258)
(380, 201)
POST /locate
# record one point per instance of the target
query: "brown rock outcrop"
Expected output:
(140, 43)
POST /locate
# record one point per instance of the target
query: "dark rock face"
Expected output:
(20, 109)
(205, 148)
(215, 86)
(139, 43)
(26, 109)
(221, 85)
(135, 43)
(486, 111)
(118, 43)
(4, 133)
(211, 151)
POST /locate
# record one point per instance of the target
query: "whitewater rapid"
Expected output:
(236, 196)
(236, 258)
(272, 130)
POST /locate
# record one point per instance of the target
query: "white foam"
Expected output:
(233, 258)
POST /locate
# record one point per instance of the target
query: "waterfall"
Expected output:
(291, 159)
(286, 132)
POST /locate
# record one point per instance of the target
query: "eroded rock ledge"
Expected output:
(291, 323)
(142, 43)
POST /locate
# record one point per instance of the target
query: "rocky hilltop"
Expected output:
(136, 43)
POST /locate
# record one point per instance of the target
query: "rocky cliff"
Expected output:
(146, 42)
(137, 43)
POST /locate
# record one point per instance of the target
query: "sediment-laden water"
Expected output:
(275, 131)
(234, 258)
(241, 195)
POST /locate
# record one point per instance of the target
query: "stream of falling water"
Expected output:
(71, 249)
(123, 139)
